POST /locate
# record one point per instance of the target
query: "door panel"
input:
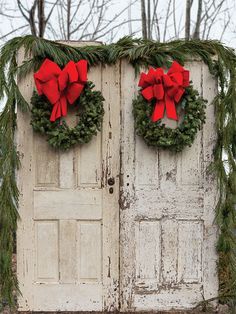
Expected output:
(68, 235)
(167, 212)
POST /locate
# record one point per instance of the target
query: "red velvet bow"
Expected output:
(61, 86)
(167, 89)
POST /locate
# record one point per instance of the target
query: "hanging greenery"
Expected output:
(139, 53)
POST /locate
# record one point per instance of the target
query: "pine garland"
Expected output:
(139, 53)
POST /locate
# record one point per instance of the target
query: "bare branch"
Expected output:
(110, 30)
(84, 21)
(196, 34)
(32, 19)
(166, 19)
(144, 19)
(149, 19)
(188, 19)
(226, 24)
(129, 19)
(174, 18)
(13, 31)
(22, 9)
(51, 11)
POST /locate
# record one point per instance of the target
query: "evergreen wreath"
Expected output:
(157, 134)
(59, 135)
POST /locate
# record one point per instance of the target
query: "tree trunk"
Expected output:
(68, 19)
(188, 19)
(129, 18)
(32, 19)
(196, 34)
(149, 35)
(144, 19)
(41, 18)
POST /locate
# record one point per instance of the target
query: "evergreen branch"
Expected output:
(9, 162)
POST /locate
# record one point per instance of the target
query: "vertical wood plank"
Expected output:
(146, 162)
(90, 163)
(210, 272)
(111, 169)
(25, 231)
(169, 250)
(68, 251)
(190, 251)
(190, 167)
(209, 86)
(191, 163)
(127, 232)
(148, 250)
(47, 256)
(46, 164)
(89, 242)
(168, 169)
(67, 169)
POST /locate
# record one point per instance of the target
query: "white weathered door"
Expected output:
(68, 235)
(168, 256)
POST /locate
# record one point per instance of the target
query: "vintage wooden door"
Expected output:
(68, 235)
(152, 247)
(168, 257)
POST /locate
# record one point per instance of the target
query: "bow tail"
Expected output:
(158, 112)
(170, 108)
(63, 103)
(59, 109)
(56, 111)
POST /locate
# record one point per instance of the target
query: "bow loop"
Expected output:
(148, 93)
(167, 89)
(44, 75)
(68, 75)
(47, 89)
(159, 74)
(61, 86)
(185, 78)
(176, 78)
(175, 68)
(167, 81)
(82, 71)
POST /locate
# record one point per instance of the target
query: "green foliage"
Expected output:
(9, 162)
(157, 134)
(139, 53)
(89, 108)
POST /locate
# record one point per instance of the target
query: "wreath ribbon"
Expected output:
(61, 86)
(166, 88)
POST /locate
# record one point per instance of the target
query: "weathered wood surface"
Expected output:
(167, 240)
(68, 235)
(152, 247)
